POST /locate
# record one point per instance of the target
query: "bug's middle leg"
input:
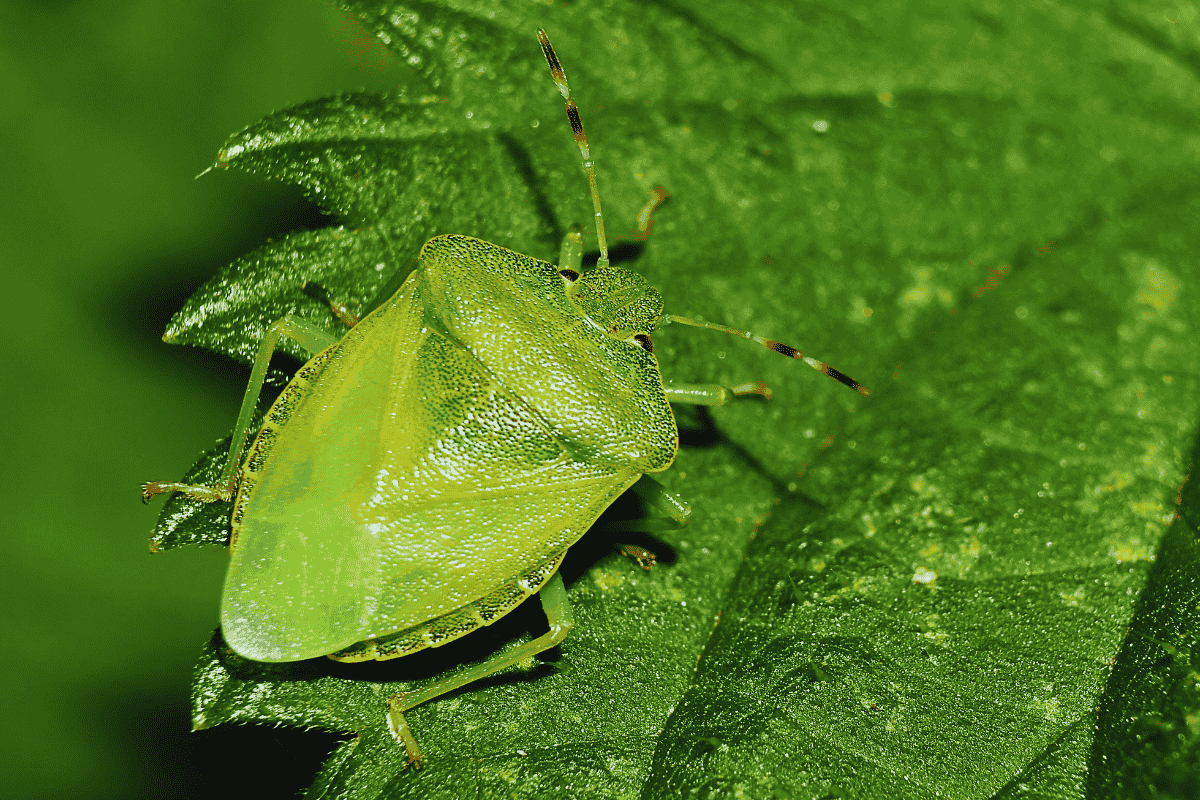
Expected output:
(653, 492)
(558, 613)
(678, 514)
(337, 307)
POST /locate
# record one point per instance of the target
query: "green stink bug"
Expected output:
(423, 475)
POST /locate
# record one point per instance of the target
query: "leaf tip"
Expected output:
(224, 156)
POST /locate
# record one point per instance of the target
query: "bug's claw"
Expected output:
(644, 557)
(339, 309)
(202, 494)
(398, 726)
(153, 488)
(759, 388)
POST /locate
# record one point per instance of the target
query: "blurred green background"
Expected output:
(109, 111)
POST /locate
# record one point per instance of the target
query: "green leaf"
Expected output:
(955, 587)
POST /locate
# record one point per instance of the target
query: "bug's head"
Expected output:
(618, 300)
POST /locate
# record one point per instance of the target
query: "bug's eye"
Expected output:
(569, 274)
(644, 342)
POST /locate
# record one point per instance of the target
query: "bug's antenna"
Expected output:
(560, 79)
(778, 347)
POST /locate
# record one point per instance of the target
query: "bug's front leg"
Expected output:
(570, 255)
(558, 613)
(308, 336)
(713, 394)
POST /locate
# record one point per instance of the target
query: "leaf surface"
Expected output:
(952, 588)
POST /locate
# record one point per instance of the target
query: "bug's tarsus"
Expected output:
(646, 560)
(560, 79)
(340, 310)
(204, 494)
(632, 244)
(778, 347)
(151, 489)
(758, 388)
(398, 727)
(645, 217)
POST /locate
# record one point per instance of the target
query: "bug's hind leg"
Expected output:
(558, 613)
(309, 337)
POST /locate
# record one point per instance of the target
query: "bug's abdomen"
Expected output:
(458, 623)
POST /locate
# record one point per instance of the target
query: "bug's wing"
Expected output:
(405, 483)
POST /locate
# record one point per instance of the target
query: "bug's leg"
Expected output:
(339, 309)
(669, 503)
(678, 512)
(558, 613)
(645, 217)
(650, 490)
(713, 394)
(308, 336)
(646, 560)
(570, 255)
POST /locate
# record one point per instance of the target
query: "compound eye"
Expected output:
(569, 274)
(644, 342)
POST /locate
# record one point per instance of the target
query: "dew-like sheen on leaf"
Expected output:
(957, 587)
